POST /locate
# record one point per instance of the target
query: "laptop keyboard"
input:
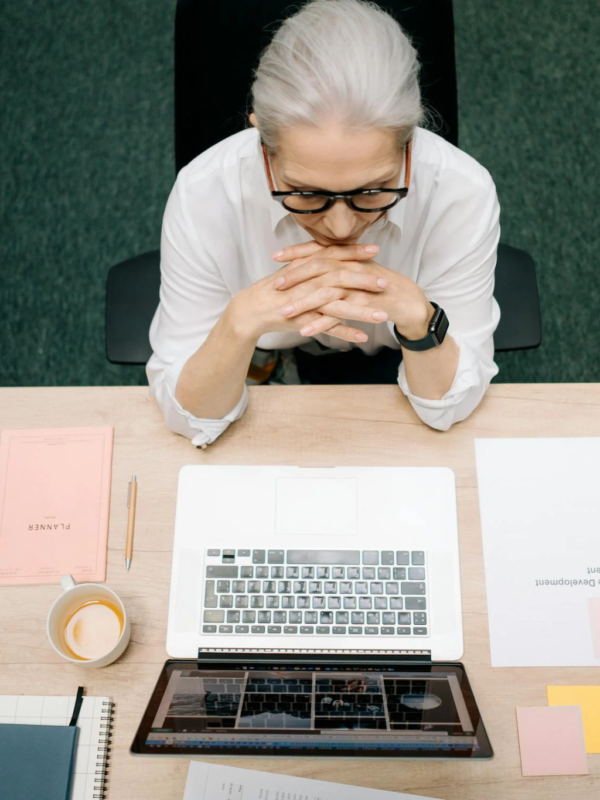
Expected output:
(315, 592)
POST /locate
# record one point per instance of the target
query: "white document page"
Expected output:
(214, 782)
(540, 518)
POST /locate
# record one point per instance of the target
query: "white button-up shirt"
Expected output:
(221, 226)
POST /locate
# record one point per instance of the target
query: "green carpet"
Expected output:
(87, 163)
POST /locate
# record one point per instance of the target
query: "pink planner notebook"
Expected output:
(54, 503)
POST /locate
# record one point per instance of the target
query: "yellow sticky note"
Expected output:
(588, 697)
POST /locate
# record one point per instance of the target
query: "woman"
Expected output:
(308, 287)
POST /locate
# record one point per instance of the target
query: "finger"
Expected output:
(313, 323)
(322, 296)
(314, 268)
(344, 252)
(344, 310)
(350, 279)
(347, 334)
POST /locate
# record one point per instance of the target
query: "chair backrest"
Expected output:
(217, 48)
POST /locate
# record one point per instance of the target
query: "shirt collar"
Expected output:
(278, 212)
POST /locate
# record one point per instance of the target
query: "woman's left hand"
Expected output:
(402, 300)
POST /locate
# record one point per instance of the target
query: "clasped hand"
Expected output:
(324, 287)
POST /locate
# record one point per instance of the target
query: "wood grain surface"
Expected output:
(310, 426)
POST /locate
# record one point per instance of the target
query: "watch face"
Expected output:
(439, 325)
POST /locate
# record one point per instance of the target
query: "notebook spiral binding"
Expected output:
(103, 753)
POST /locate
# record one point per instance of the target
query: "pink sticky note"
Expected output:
(551, 743)
(594, 609)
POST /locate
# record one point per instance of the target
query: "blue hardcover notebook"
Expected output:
(36, 761)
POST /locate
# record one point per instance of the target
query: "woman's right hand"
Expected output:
(259, 308)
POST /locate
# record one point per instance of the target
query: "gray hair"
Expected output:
(346, 59)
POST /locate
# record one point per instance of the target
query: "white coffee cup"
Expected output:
(73, 596)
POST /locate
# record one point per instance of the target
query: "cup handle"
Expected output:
(67, 582)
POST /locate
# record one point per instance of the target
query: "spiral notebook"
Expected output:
(95, 726)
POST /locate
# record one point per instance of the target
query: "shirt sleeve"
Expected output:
(192, 298)
(461, 258)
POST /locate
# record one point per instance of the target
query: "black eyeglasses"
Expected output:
(367, 200)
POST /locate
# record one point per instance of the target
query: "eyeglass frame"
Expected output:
(347, 196)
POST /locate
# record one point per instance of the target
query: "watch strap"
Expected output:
(438, 327)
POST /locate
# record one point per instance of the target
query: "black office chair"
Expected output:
(212, 102)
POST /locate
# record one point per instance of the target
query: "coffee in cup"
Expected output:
(88, 624)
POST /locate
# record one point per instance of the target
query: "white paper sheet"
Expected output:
(540, 517)
(214, 782)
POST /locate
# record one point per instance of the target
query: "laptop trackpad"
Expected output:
(316, 507)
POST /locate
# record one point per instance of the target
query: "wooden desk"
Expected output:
(319, 426)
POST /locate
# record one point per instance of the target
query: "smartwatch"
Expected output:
(437, 329)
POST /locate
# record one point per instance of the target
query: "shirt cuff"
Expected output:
(470, 383)
(201, 431)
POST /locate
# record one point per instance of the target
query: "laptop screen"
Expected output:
(267, 709)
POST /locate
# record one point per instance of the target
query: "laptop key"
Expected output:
(416, 574)
(303, 602)
(290, 629)
(415, 604)
(350, 602)
(257, 629)
(272, 601)
(355, 631)
(322, 572)
(403, 631)
(404, 618)
(341, 618)
(276, 557)
(418, 558)
(369, 573)
(246, 572)
(419, 618)
(225, 628)
(388, 618)
(210, 598)
(288, 602)
(209, 629)
(241, 601)
(233, 616)
(399, 573)
(258, 556)
(323, 557)
(384, 573)
(280, 616)
(224, 586)
(222, 571)
(277, 572)
(311, 617)
(238, 587)
(262, 572)
(372, 631)
(391, 587)
(326, 618)
(338, 630)
(258, 601)
(376, 587)
(381, 602)
(249, 616)
(295, 617)
(214, 616)
(243, 553)
(284, 587)
(292, 572)
(365, 602)
(242, 629)
(308, 572)
(307, 629)
(370, 557)
(402, 558)
(387, 631)
(334, 602)
(373, 617)
(323, 630)
(338, 572)
(387, 557)
(264, 616)
(407, 587)
(269, 587)
(213, 552)
(358, 617)
(420, 631)
(274, 629)
(361, 588)
(353, 573)
(318, 602)
(226, 601)
(396, 602)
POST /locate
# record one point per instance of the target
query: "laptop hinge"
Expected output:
(292, 656)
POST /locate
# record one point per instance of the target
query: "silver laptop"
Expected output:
(314, 559)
